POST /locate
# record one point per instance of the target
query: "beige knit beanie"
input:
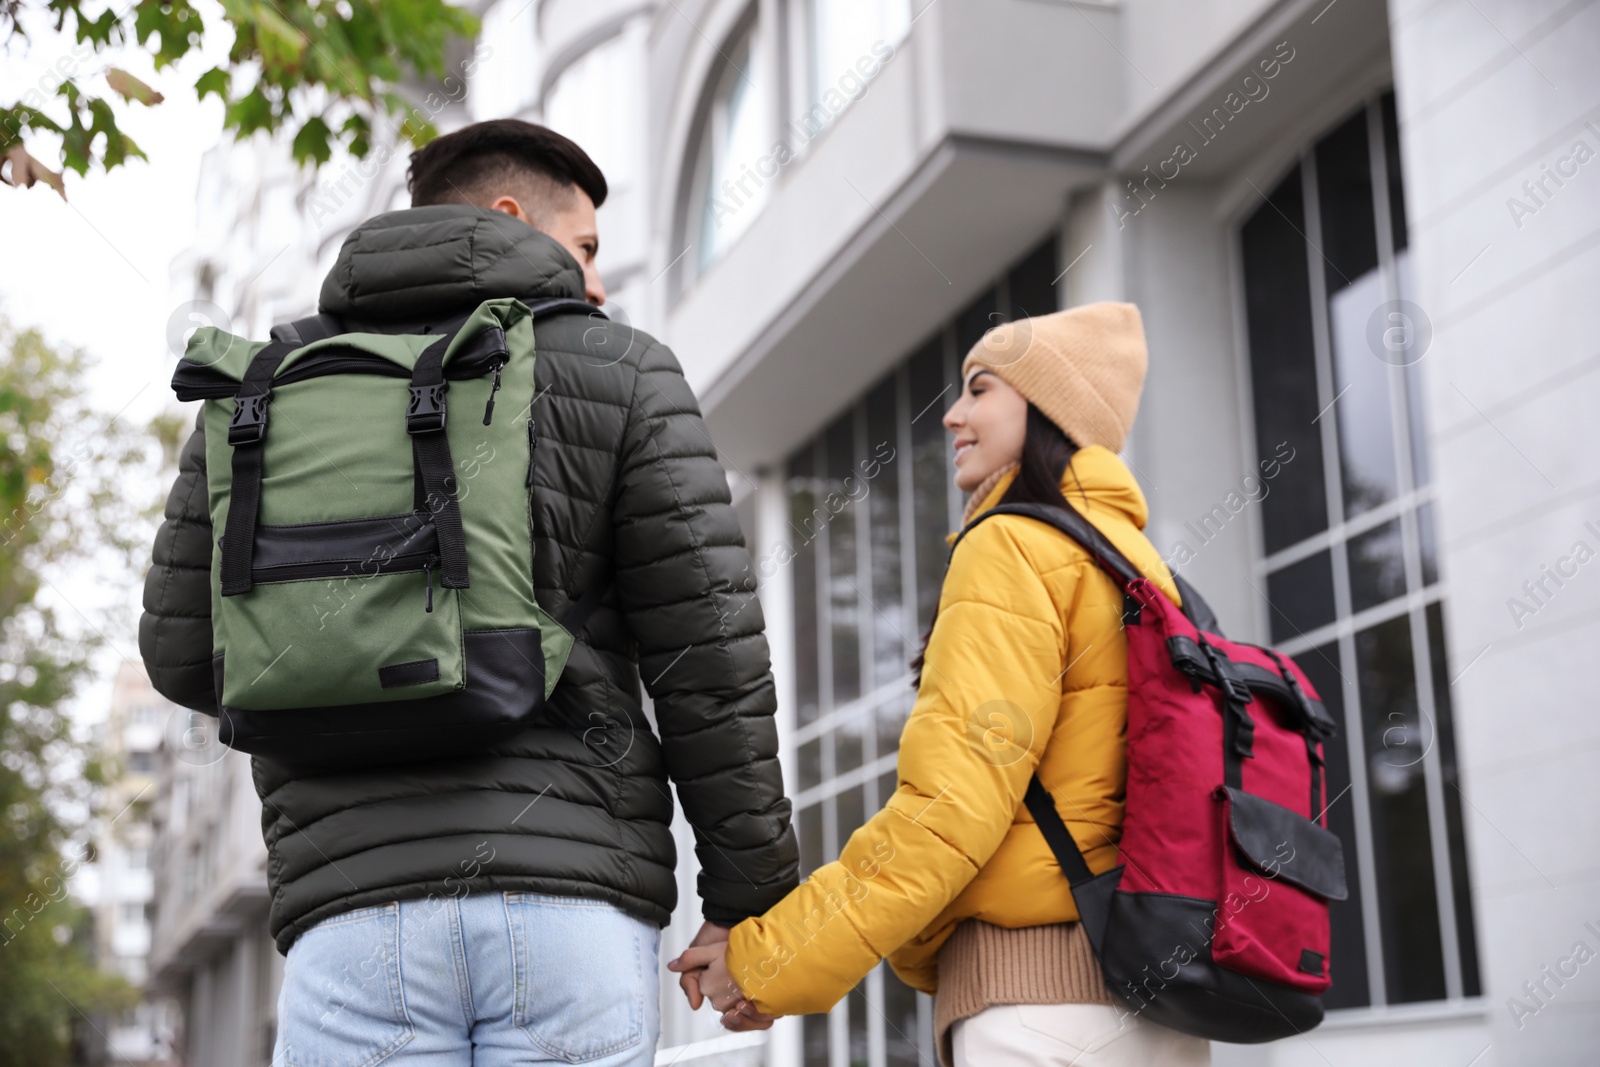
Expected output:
(1083, 367)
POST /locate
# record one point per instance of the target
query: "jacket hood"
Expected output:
(1096, 479)
(446, 258)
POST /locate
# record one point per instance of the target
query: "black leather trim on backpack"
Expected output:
(384, 545)
(1179, 985)
(504, 675)
(1190, 658)
(1262, 830)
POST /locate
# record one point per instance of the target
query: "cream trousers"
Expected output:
(1071, 1035)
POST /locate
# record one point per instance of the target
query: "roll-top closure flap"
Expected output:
(1188, 657)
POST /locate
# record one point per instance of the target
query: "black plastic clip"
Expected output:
(1132, 609)
(1232, 686)
(426, 411)
(249, 423)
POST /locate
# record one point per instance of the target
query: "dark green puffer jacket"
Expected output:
(628, 496)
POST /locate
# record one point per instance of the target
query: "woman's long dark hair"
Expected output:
(1046, 453)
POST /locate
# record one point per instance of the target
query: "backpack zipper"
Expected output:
(427, 576)
(488, 409)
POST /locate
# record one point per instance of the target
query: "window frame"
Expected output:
(805, 473)
(1409, 505)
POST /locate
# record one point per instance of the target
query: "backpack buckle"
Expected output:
(249, 422)
(1228, 680)
(426, 411)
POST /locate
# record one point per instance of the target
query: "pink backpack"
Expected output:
(1215, 922)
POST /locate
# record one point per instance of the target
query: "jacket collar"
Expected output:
(445, 259)
(1096, 479)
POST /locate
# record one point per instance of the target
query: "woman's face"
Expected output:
(989, 421)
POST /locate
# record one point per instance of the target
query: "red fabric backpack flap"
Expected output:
(1279, 871)
(1174, 761)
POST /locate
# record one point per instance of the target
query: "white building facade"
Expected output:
(1363, 237)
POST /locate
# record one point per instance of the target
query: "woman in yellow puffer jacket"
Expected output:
(1024, 670)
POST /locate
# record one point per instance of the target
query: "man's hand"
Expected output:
(689, 981)
(707, 965)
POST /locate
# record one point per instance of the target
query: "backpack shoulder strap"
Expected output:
(1074, 525)
(1106, 555)
(563, 305)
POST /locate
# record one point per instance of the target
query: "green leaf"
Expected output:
(217, 80)
(358, 132)
(312, 141)
(281, 43)
(250, 113)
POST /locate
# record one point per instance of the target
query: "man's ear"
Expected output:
(510, 206)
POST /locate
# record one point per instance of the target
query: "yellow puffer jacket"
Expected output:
(1026, 670)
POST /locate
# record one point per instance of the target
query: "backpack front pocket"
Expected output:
(342, 612)
(1280, 870)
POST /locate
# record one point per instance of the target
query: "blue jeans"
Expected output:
(480, 980)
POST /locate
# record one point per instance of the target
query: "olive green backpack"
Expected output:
(372, 593)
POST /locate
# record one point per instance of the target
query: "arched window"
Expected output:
(735, 162)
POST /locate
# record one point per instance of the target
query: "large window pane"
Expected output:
(1283, 368)
(860, 1008)
(975, 320)
(931, 396)
(890, 621)
(1401, 844)
(900, 1020)
(891, 716)
(1425, 538)
(1391, 155)
(804, 527)
(1348, 950)
(810, 837)
(1377, 566)
(1032, 282)
(1344, 194)
(843, 491)
(843, 33)
(1300, 596)
(1449, 772)
(738, 135)
(811, 763)
(1361, 382)
(814, 1029)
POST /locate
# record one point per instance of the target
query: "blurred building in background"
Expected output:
(1363, 239)
(209, 949)
(124, 903)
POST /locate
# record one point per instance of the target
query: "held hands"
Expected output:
(703, 975)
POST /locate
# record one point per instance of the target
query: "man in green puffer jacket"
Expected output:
(511, 902)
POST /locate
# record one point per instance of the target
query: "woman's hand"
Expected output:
(708, 966)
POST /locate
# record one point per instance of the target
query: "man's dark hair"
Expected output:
(477, 163)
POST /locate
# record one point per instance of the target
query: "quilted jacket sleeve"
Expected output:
(994, 659)
(688, 593)
(175, 630)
